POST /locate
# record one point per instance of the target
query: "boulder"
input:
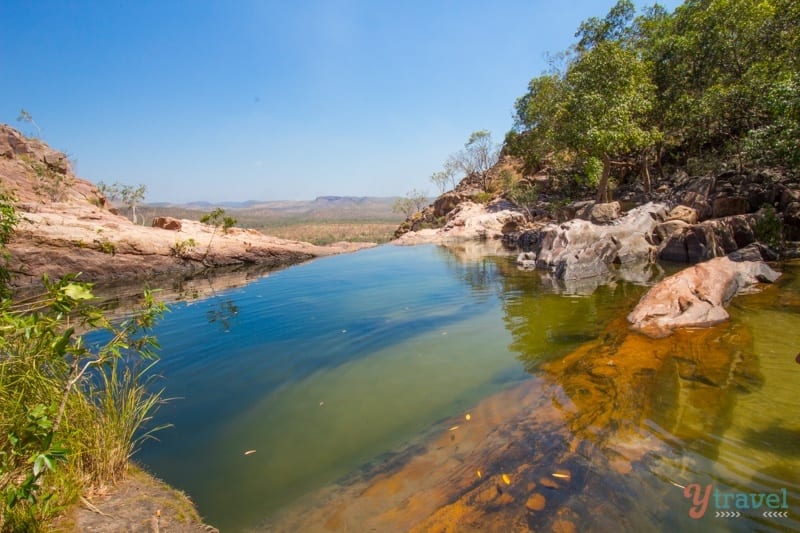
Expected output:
(579, 249)
(580, 209)
(684, 213)
(696, 296)
(169, 223)
(699, 242)
(604, 213)
(56, 161)
(446, 203)
(725, 206)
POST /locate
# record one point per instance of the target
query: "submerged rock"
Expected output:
(696, 296)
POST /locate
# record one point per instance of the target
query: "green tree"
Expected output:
(610, 96)
(131, 197)
(218, 219)
(538, 120)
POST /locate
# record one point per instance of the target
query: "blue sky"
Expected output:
(269, 100)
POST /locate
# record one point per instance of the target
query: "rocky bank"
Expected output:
(752, 216)
(67, 226)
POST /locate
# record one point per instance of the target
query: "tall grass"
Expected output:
(71, 415)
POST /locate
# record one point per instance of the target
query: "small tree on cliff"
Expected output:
(478, 156)
(132, 196)
(218, 219)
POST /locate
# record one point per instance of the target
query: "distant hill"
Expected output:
(255, 213)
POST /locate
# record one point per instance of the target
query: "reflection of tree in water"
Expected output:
(480, 273)
(223, 313)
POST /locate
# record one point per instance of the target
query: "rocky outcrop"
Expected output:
(580, 249)
(696, 296)
(680, 242)
(66, 226)
(469, 221)
(63, 239)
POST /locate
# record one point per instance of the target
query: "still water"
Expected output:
(349, 381)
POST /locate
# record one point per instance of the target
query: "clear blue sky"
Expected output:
(237, 100)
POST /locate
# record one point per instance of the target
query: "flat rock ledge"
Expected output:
(696, 296)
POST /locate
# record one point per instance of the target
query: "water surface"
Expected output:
(343, 374)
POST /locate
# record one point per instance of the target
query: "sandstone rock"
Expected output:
(580, 209)
(446, 203)
(663, 231)
(536, 502)
(604, 213)
(729, 205)
(169, 223)
(684, 213)
(56, 161)
(706, 240)
(696, 296)
(468, 221)
(578, 249)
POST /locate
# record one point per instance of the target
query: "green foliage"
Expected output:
(482, 197)
(50, 182)
(183, 248)
(217, 218)
(593, 170)
(8, 221)
(769, 228)
(107, 247)
(523, 195)
(130, 196)
(71, 411)
(718, 76)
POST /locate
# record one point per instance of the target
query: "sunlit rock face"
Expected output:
(581, 250)
(696, 296)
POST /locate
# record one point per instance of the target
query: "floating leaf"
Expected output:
(468, 416)
(506, 479)
(249, 452)
(453, 428)
(479, 474)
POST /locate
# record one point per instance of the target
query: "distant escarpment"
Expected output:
(68, 226)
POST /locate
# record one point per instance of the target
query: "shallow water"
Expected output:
(346, 375)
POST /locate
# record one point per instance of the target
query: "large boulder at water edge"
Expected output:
(580, 249)
(696, 296)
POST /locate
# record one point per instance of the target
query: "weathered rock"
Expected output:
(446, 203)
(169, 223)
(604, 213)
(468, 221)
(663, 231)
(725, 206)
(706, 240)
(579, 249)
(684, 213)
(696, 296)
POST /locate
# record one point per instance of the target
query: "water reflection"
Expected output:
(608, 431)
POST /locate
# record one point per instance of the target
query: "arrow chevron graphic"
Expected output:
(776, 514)
(727, 514)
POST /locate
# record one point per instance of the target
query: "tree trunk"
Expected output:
(645, 173)
(602, 188)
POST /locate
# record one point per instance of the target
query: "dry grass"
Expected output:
(328, 232)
